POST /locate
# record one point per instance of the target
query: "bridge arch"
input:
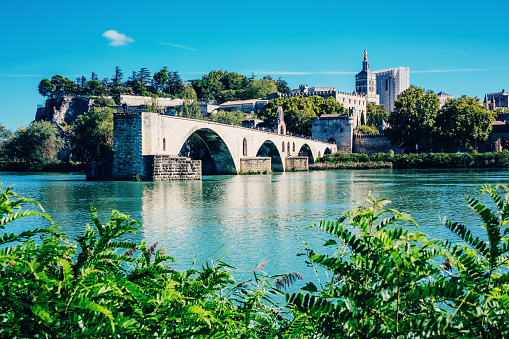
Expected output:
(269, 149)
(306, 151)
(206, 145)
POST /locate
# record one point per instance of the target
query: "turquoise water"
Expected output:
(251, 219)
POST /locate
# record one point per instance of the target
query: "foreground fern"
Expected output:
(103, 287)
(388, 282)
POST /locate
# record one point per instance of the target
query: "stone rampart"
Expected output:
(297, 164)
(370, 144)
(255, 165)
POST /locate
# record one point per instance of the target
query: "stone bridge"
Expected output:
(221, 148)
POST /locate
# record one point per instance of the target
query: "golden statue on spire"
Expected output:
(365, 54)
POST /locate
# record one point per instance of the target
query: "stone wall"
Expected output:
(165, 167)
(370, 144)
(127, 146)
(297, 164)
(255, 164)
(334, 128)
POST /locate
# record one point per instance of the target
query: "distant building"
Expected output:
(365, 82)
(492, 101)
(246, 106)
(390, 83)
(444, 97)
(334, 128)
(354, 102)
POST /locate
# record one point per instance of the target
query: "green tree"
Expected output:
(368, 129)
(299, 110)
(117, 86)
(46, 88)
(299, 121)
(145, 76)
(234, 81)
(5, 134)
(465, 121)
(38, 143)
(376, 114)
(260, 88)
(282, 86)
(92, 134)
(161, 79)
(175, 84)
(95, 88)
(226, 117)
(58, 86)
(190, 107)
(413, 119)
(81, 85)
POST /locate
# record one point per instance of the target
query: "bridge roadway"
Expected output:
(227, 144)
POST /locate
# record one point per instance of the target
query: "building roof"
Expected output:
(443, 94)
(242, 102)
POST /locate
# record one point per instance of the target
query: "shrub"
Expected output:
(371, 130)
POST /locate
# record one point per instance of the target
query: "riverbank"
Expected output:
(409, 161)
(322, 166)
(16, 166)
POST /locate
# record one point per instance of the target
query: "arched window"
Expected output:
(283, 146)
(288, 148)
(293, 147)
(319, 154)
(244, 147)
(164, 144)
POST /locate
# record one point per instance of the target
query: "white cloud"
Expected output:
(451, 70)
(116, 38)
(177, 46)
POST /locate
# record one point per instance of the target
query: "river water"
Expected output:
(250, 219)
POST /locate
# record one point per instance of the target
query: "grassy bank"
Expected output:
(20, 166)
(423, 160)
(321, 166)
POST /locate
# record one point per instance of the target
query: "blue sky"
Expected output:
(459, 47)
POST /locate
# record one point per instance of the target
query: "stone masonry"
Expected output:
(127, 146)
(297, 164)
(255, 164)
(165, 167)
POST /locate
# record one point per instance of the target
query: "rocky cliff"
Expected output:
(64, 110)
